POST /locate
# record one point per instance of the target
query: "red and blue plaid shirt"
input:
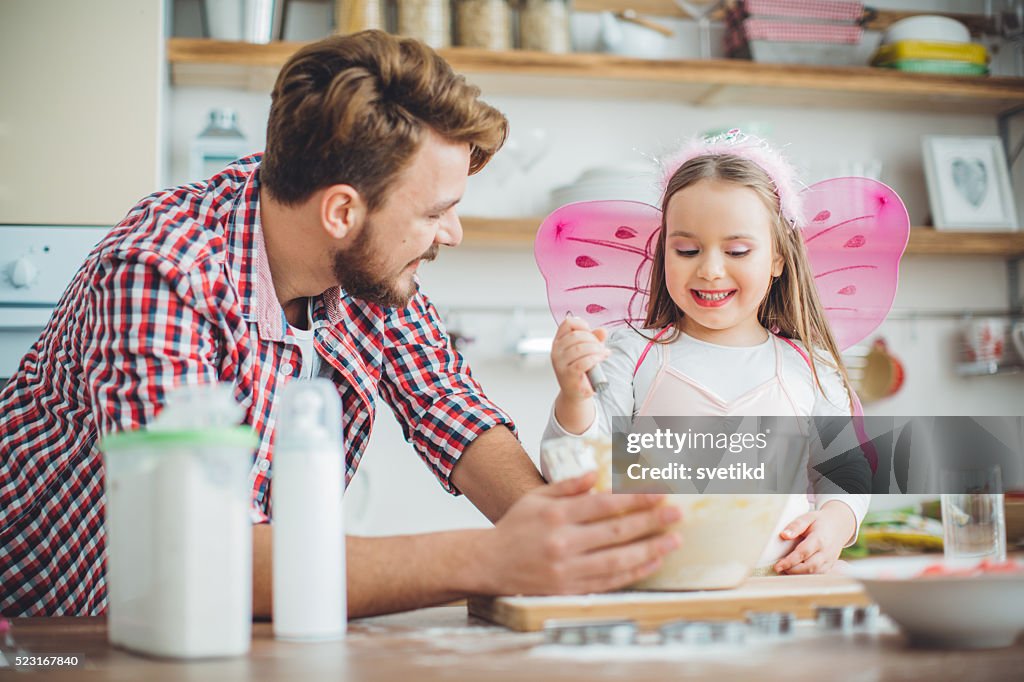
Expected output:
(180, 293)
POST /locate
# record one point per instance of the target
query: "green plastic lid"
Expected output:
(235, 436)
(939, 66)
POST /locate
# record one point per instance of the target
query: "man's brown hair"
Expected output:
(353, 110)
(791, 307)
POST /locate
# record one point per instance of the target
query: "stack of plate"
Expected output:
(797, 32)
(631, 181)
(931, 44)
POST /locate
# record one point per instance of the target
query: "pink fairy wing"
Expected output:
(595, 259)
(595, 255)
(856, 230)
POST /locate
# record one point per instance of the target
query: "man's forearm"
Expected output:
(406, 572)
(494, 472)
(391, 573)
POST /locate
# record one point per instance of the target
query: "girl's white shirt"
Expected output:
(727, 371)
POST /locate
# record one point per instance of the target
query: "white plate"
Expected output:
(627, 172)
(928, 27)
(958, 612)
(646, 192)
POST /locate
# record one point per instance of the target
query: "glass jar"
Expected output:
(351, 16)
(544, 26)
(483, 23)
(426, 20)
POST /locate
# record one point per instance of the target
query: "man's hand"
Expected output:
(561, 539)
(824, 532)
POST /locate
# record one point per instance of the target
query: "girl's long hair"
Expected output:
(791, 308)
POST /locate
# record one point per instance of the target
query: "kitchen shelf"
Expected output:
(927, 241)
(715, 82)
(924, 241)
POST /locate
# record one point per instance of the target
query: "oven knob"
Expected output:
(23, 273)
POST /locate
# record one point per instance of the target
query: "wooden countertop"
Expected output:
(444, 644)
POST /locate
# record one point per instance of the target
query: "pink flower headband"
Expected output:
(753, 149)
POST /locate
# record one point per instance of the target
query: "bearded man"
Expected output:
(298, 263)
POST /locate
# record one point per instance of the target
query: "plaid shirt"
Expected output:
(180, 293)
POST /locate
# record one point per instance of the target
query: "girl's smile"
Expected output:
(712, 299)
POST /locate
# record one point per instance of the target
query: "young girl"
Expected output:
(732, 311)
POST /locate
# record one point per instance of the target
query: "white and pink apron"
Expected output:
(673, 393)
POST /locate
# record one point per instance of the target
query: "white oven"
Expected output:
(36, 264)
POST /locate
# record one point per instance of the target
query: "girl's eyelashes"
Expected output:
(690, 253)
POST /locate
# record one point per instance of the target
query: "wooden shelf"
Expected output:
(499, 230)
(927, 241)
(924, 241)
(713, 82)
(709, 82)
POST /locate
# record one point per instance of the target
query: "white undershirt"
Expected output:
(304, 340)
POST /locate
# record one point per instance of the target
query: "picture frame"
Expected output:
(968, 183)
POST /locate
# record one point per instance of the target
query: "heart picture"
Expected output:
(970, 179)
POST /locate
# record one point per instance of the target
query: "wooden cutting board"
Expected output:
(798, 594)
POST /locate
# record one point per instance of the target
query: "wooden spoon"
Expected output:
(634, 18)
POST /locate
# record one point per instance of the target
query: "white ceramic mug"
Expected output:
(1017, 335)
(985, 339)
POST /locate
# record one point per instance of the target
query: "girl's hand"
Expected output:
(575, 350)
(824, 532)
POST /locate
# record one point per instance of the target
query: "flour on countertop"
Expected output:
(741, 654)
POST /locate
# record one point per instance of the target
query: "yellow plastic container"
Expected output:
(971, 53)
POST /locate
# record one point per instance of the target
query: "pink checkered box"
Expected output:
(838, 11)
(793, 32)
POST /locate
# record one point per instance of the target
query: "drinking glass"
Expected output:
(700, 10)
(1006, 29)
(973, 522)
(1011, 20)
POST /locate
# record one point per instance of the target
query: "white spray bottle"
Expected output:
(306, 491)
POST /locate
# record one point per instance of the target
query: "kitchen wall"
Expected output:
(496, 295)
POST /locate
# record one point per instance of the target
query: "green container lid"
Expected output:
(235, 436)
(941, 66)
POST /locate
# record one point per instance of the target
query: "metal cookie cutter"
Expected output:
(836, 618)
(771, 623)
(703, 632)
(576, 633)
(866, 616)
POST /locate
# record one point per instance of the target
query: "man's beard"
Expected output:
(358, 273)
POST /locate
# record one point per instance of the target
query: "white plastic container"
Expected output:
(309, 534)
(179, 541)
